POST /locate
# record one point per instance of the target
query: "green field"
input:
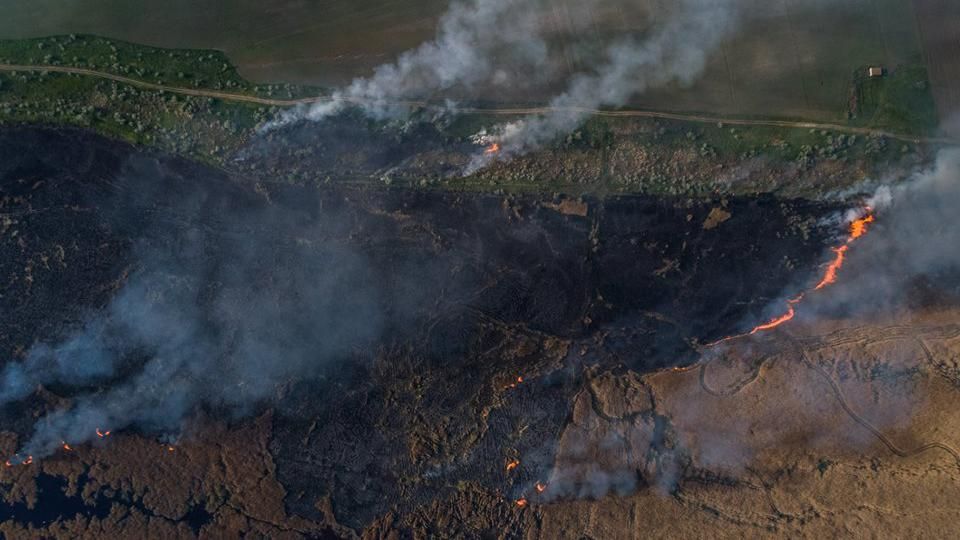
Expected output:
(198, 127)
(788, 60)
(596, 158)
(323, 42)
(800, 63)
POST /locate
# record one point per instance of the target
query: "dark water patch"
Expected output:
(197, 517)
(53, 504)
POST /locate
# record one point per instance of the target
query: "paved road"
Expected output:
(508, 111)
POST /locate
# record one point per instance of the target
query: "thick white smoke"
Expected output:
(222, 313)
(675, 51)
(479, 43)
(915, 239)
(483, 45)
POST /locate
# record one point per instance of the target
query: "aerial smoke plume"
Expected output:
(481, 42)
(484, 47)
(232, 298)
(674, 51)
(914, 239)
(913, 243)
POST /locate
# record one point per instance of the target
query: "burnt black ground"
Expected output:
(473, 291)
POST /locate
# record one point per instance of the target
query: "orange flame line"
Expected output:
(521, 502)
(514, 384)
(830, 276)
(492, 149)
(858, 228)
(775, 322)
(9, 463)
(512, 465)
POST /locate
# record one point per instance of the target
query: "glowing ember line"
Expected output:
(512, 465)
(492, 149)
(521, 502)
(830, 276)
(777, 321)
(858, 228)
(17, 461)
(541, 487)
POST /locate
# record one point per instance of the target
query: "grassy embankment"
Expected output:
(198, 127)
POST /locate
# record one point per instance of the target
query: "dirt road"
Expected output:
(505, 111)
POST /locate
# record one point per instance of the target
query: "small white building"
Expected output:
(875, 71)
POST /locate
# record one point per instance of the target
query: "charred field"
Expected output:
(563, 270)
(463, 326)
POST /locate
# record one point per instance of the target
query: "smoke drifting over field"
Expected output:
(218, 314)
(482, 42)
(486, 45)
(913, 245)
(675, 51)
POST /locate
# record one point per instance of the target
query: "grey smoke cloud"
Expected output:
(486, 45)
(482, 45)
(479, 42)
(676, 50)
(915, 237)
(227, 306)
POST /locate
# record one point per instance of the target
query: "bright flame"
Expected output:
(515, 383)
(17, 461)
(777, 321)
(521, 502)
(103, 434)
(541, 487)
(858, 228)
(830, 276)
(492, 149)
(66, 446)
(511, 465)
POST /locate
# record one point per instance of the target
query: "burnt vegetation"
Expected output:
(474, 290)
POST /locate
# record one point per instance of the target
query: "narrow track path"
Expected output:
(505, 111)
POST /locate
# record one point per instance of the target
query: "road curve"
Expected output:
(507, 111)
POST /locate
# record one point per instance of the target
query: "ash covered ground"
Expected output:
(373, 339)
